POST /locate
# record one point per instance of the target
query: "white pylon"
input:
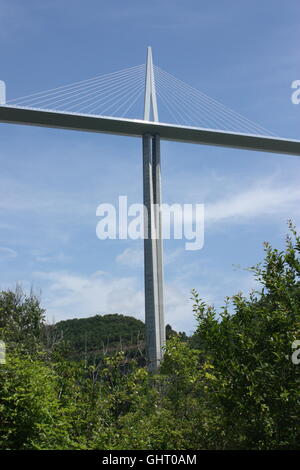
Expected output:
(153, 249)
(150, 92)
(2, 93)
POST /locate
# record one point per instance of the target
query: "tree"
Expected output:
(31, 416)
(21, 319)
(257, 385)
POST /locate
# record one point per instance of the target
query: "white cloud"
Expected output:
(70, 295)
(134, 257)
(261, 200)
(266, 198)
(20, 197)
(7, 252)
(52, 258)
(178, 308)
(131, 257)
(73, 296)
(171, 256)
(227, 199)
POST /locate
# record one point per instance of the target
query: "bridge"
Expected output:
(110, 104)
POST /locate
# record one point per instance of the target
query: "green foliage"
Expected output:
(21, 319)
(258, 386)
(231, 386)
(31, 417)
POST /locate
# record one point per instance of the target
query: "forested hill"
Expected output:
(102, 333)
(96, 336)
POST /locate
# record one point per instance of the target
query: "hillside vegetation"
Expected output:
(101, 334)
(92, 338)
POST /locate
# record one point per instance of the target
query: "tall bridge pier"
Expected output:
(153, 265)
(153, 243)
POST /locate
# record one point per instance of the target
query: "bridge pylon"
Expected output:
(153, 243)
(2, 93)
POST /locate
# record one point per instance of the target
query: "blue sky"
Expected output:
(244, 54)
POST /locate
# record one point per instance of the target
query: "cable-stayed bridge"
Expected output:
(145, 101)
(120, 94)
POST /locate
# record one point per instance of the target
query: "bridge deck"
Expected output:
(137, 128)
